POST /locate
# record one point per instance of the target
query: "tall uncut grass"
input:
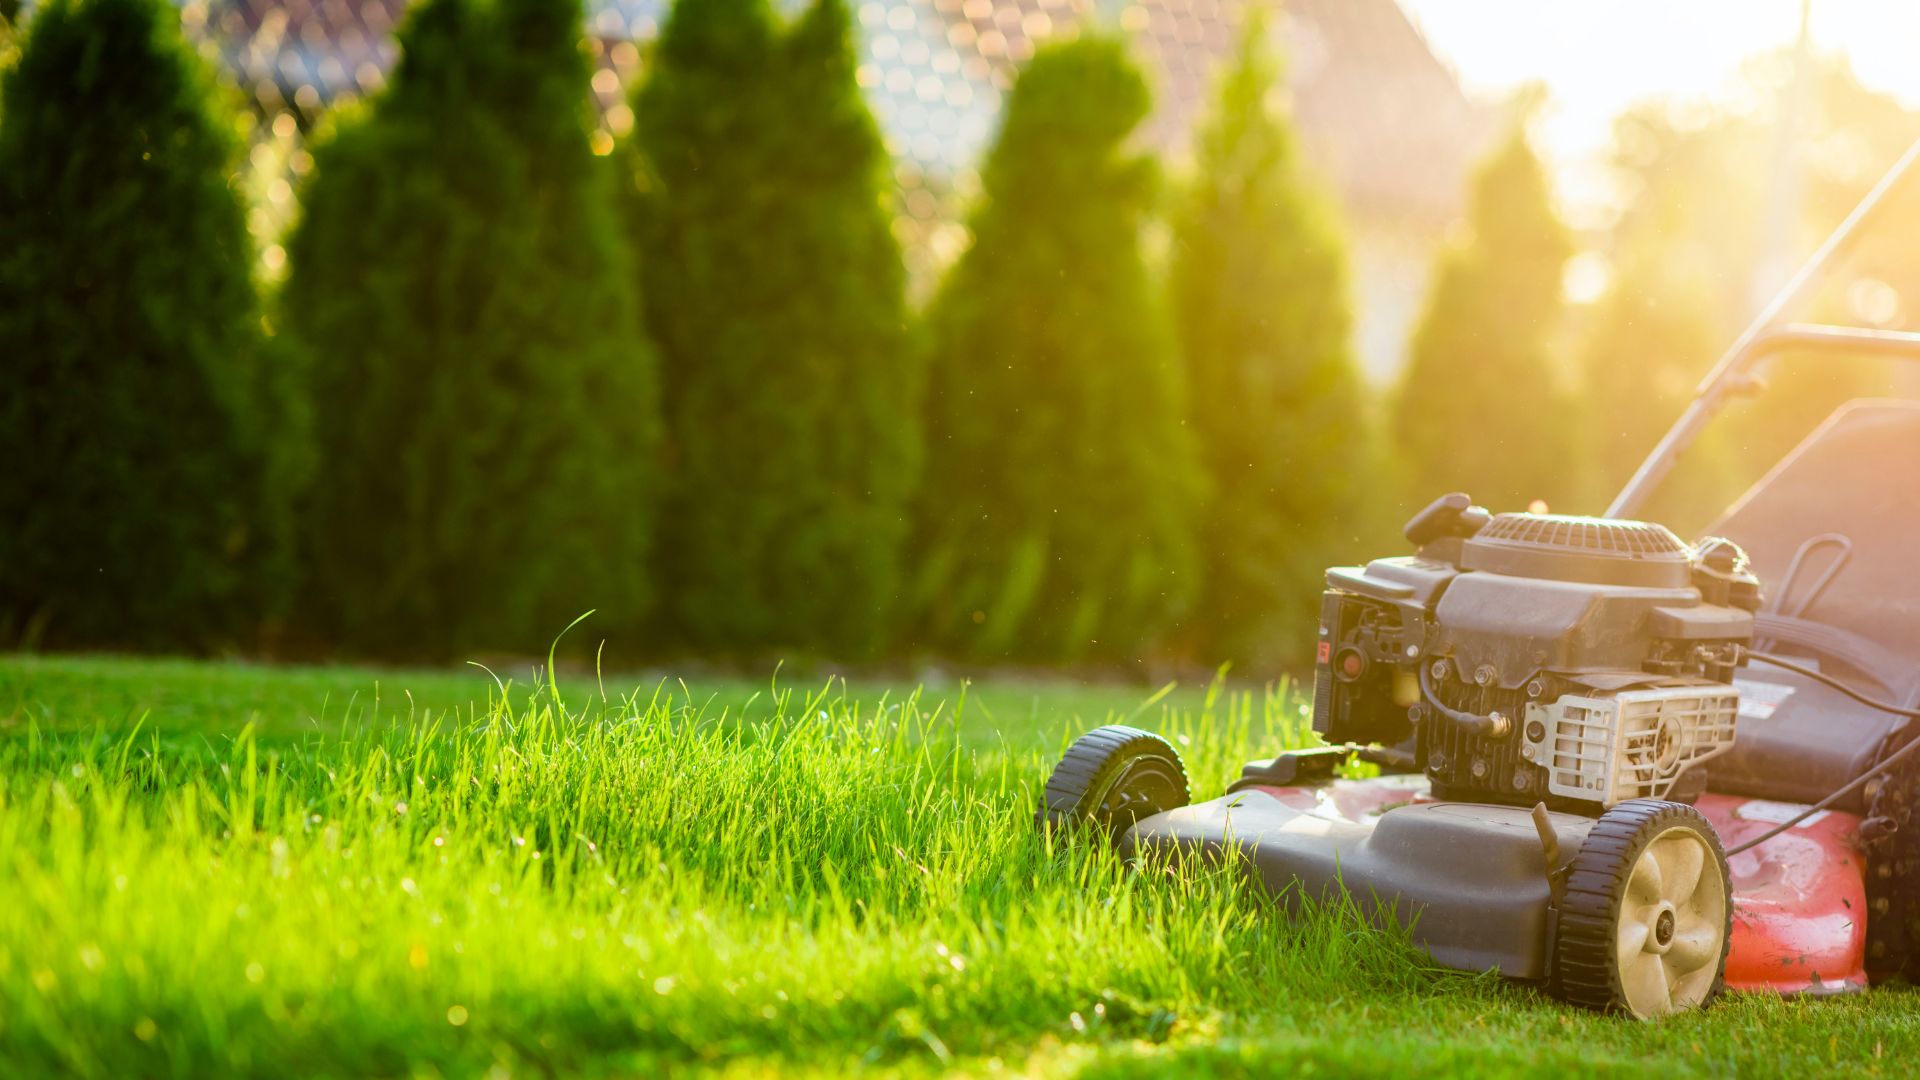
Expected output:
(626, 882)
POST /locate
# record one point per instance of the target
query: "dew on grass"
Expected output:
(457, 1015)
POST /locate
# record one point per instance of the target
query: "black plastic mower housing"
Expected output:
(1468, 881)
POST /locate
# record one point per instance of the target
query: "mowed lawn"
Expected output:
(229, 869)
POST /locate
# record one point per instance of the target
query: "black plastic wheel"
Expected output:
(1111, 777)
(1647, 913)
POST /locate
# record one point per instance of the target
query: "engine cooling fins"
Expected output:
(1560, 547)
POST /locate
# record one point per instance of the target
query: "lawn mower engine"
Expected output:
(1532, 658)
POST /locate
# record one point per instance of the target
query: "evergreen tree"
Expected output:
(1650, 341)
(1259, 283)
(1479, 408)
(485, 400)
(139, 422)
(777, 293)
(1062, 479)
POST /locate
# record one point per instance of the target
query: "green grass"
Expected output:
(223, 869)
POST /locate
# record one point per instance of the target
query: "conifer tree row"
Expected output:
(1062, 478)
(484, 398)
(140, 421)
(1259, 286)
(776, 291)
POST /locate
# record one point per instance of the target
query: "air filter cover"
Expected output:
(1562, 547)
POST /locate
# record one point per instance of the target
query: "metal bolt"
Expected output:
(1535, 688)
(1413, 651)
(1536, 731)
(1479, 768)
(1520, 781)
(1440, 668)
(1483, 675)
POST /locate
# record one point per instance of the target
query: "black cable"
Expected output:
(1891, 760)
(1822, 677)
(1472, 723)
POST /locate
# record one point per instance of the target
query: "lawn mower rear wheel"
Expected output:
(1646, 916)
(1111, 777)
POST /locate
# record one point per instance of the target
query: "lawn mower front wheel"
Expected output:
(1111, 777)
(1647, 912)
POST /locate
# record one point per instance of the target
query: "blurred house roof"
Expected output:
(1381, 117)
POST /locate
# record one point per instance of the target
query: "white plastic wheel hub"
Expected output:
(1672, 925)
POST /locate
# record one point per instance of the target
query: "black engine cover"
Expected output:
(1524, 610)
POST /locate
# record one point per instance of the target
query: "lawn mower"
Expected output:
(1630, 769)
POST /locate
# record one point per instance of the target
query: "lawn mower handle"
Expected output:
(1734, 374)
(1757, 342)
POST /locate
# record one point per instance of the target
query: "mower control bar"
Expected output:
(1751, 345)
(1735, 375)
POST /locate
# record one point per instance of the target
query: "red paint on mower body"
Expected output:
(1799, 899)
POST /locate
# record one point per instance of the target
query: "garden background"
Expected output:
(329, 340)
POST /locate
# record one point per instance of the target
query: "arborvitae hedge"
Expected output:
(776, 291)
(485, 400)
(1259, 284)
(1062, 479)
(138, 420)
(1651, 339)
(1480, 409)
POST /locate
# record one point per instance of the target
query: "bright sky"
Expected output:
(1598, 56)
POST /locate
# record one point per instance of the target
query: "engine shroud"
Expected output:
(1528, 658)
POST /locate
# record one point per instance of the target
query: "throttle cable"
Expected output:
(1889, 762)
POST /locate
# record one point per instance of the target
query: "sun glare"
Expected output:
(1596, 59)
